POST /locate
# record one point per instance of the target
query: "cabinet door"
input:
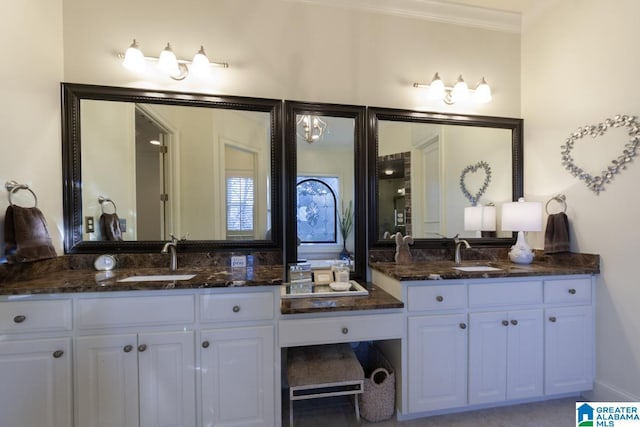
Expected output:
(107, 381)
(167, 379)
(525, 354)
(36, 382)
(568, 349)
(238, 377)
(488, 357)
(437, 361)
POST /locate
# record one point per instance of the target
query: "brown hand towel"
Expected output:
(556, 235)
(110, 227)
(26, 235)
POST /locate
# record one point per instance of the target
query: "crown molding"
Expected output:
(433, 10)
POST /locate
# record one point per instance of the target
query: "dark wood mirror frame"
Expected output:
(358, 113)
(374, 115)
(73, 93)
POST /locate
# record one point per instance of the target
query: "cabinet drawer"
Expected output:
(135, 311)
(35, 316)
(567, 291)
(236, 307)
(441, 297)
(297, 332)
(505, 293)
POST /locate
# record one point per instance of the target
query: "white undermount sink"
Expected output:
(473, 268)
(158, 278)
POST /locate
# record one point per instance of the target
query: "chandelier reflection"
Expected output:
(311, 128)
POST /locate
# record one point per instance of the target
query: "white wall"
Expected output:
(580, 66)
(30, 106)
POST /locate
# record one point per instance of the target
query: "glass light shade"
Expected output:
(483, 93)
(460, 91)
(133, 57)
(522, 216)
(200, 64)
(168, 63)
(480, 218)
(436, 89)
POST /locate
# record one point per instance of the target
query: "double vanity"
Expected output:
(81, 348)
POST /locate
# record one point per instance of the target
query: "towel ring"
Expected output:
(560, 198)
(103, 200)
(13, 187)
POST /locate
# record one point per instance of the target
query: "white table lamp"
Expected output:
(480, 218)
(521, 216)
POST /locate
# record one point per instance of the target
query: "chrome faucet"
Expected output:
(458, 242)
(171, 247)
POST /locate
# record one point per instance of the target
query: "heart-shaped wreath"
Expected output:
(487, 179)
(596, 183)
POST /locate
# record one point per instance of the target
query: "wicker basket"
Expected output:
(377, 402)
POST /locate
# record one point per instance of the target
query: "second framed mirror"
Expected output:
(326, 186)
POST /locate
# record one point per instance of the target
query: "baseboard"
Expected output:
(603, 392)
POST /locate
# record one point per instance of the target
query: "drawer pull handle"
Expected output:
(514, 322)
(236, 308)
(552, 319)
(439, 298)
(20, 318)
(505, 323)
(142, 347)
(572, 291)
(58, 354)
(127, 348)
(345, 331)
(205, 344)
(463, 326)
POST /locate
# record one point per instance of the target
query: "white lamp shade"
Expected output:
(480, 218)
(133, 58)
(483, 93)
(522, 216)
(460, 91)
(436, 89)
(168, 63)
(200, 64)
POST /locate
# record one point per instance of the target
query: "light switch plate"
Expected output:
(239, 261)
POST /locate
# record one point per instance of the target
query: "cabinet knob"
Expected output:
(514, 322)
(236, 308)
(205, 344)
(505, 323)
(127, 348)
(552, 319)
(58, 354)
(439, 298)
(463, 325)
(142, 347)
(345, 331)
(20, 318)
(572, 291)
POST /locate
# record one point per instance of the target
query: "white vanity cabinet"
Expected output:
(237, 359)
(127, 373)
(479, 342)
(36, 363)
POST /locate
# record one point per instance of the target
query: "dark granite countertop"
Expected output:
(376, 300)
(543, 265)
(86, 280)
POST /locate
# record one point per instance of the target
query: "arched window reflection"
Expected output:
(316, 209)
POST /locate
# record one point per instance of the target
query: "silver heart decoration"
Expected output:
(596, 183)
(487, 179)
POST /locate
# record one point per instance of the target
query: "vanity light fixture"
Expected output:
(167, 62)
(521, 216)
(311, 128)
(437, 90)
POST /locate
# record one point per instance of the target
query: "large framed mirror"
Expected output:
(142, 165)
(435, 175)
(325, 176)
